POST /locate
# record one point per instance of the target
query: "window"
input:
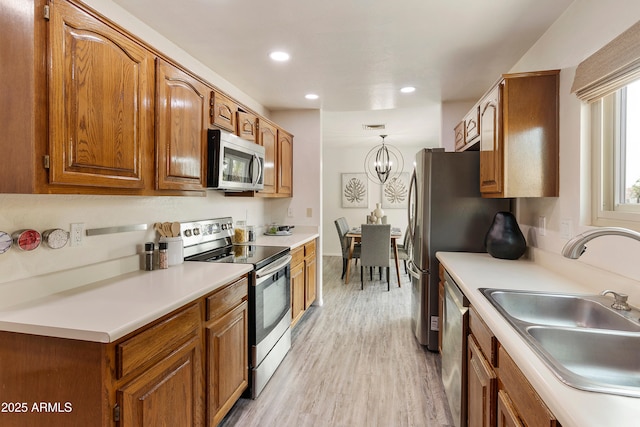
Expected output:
(609, 80)
(615, 121)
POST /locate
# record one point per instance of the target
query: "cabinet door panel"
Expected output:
(224, 112)
(297, 292)
(285, 167)
(482, 388)
(507, 416)
(169, 394)
(310, 281)
(247, 126)
(491, 143)
(268, 138)
(227, 362)
(100, 103)
(182, 110)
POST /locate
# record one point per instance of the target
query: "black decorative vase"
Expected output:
(504, 239)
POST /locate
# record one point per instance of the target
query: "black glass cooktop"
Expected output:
(259, 256)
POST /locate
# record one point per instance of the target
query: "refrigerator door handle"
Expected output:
(412, 216)
(415, 271)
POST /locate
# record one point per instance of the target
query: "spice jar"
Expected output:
(163, 256)
(149, 247)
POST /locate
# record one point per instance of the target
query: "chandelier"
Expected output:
(383, 162)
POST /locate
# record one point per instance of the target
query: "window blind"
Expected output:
(610, 68)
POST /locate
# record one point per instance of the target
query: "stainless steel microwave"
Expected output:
(233, 163)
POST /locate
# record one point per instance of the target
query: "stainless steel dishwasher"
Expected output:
(455, 325)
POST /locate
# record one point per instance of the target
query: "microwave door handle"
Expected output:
(256, 159)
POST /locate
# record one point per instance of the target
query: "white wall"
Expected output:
(338, 160)
(586, 26)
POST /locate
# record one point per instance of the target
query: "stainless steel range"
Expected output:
(269, 291)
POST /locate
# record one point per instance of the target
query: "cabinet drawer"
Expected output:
(310, 249)
(158, 341)
(225, 299)
(530, 406)
(483, 335)
(297, 255)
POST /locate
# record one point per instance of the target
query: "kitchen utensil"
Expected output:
(166, 227)
(158, 227)
(175, 229)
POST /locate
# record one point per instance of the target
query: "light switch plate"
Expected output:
(566, 228)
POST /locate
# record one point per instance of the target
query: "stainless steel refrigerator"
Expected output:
(446, 213)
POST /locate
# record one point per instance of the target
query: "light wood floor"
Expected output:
(354, 362)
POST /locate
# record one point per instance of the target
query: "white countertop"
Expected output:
(572, 407)
(107, 310)
(297, 238)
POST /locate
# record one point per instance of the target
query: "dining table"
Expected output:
(355, 234)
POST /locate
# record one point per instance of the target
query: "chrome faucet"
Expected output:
(576, 246)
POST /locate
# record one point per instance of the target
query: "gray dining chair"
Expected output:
(343, 228)
(403, 250)
(375, 250)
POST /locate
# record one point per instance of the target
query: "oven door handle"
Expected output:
(274, 266)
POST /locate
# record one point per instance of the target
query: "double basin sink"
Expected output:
(586, 343)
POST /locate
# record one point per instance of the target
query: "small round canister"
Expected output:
(5, 242)
(27, 240)
(55, 238)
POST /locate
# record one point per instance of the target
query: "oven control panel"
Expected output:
(206, 230)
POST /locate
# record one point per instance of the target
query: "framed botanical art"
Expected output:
(354, 190)
(395, 192)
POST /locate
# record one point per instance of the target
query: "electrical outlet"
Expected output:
(77, 231)
(290, 212)
(309, 212)
(542, 225)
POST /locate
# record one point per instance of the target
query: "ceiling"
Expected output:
(356, 54)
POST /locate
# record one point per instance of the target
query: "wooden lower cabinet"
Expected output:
(507, 416)
(168, 393)
(227, 362)
(303, 279)
(527, 404)
(187, 369)
(498, 393)
(310, 265)
(297, 292)
(481, 387)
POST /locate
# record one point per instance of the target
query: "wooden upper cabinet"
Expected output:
(182, 111)
(491, 151)
(472, 125)
(223, 112)
(459, 136)
(268, 138)
(519, 142)
(285, 163)
(247, 126)
(101, 97)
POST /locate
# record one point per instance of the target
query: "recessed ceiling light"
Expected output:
(311, 96)
(279, 56)
(408, 89)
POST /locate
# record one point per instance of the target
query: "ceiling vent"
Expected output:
(373, 127)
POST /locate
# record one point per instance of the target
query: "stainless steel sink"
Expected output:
(593, 360)
(585, 342)
(585, 311)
